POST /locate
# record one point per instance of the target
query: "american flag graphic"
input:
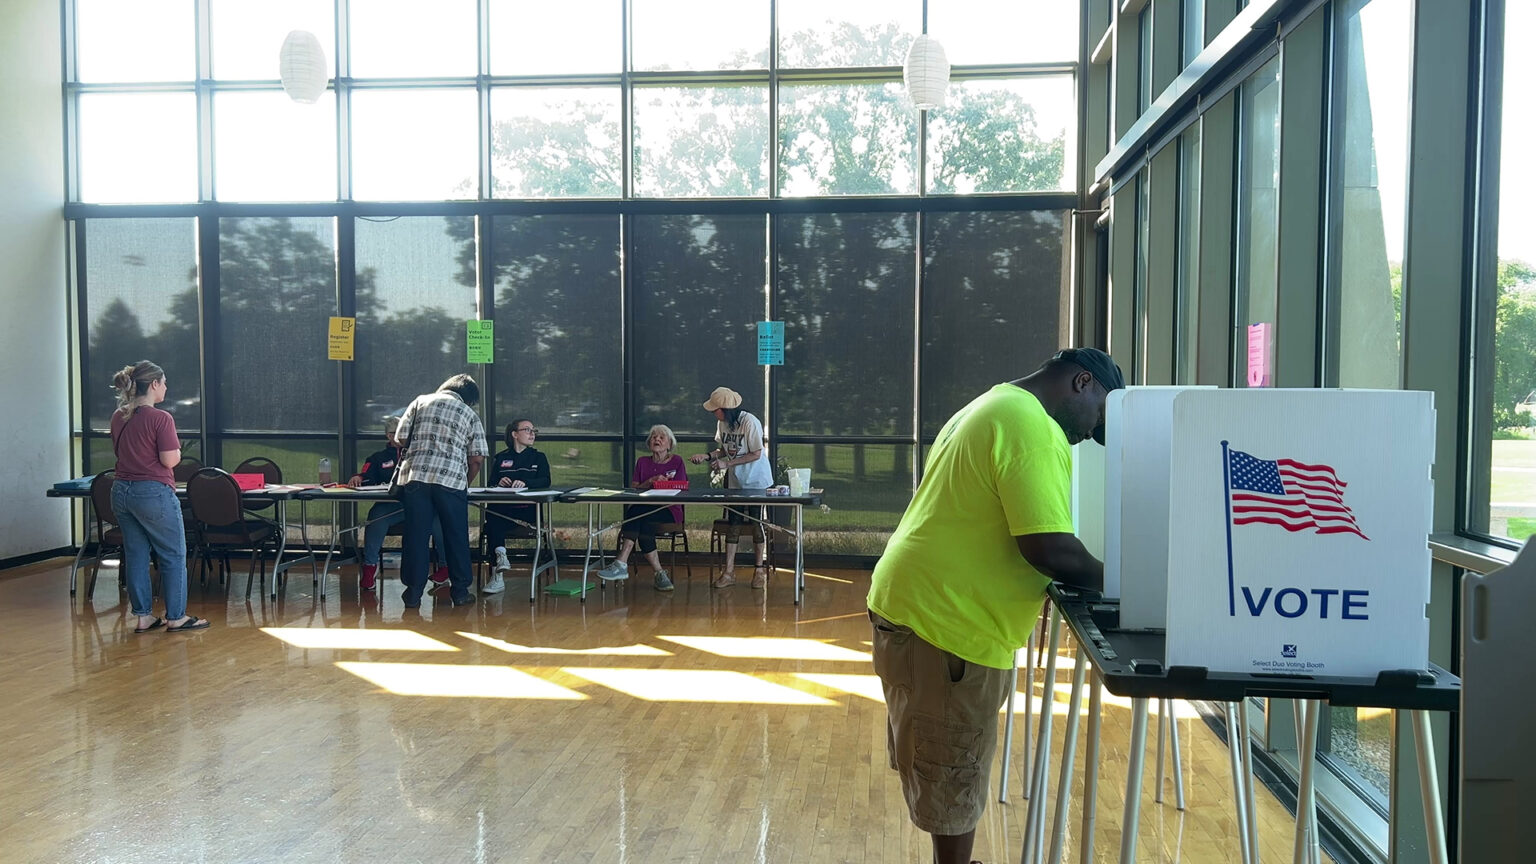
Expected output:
(1294, 495)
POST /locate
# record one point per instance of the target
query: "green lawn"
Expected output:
(1514, 485)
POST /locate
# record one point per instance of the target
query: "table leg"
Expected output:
(800, 553)
(1131, 824)
(74, 569)
(1429, 788)
(594, 518)
(1091, 769)
(1068, 749)
(281, 509)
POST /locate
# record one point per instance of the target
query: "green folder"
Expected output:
(568, 587)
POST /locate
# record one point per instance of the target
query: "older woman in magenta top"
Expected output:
(643, 519)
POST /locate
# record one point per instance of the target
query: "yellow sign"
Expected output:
(343, 330)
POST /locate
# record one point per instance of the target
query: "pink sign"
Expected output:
(1260, 355)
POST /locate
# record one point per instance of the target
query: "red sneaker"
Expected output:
(440, 576)
(369, 577)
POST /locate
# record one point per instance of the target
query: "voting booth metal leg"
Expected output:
(1033, 833)
(1306, 799)
(1068, 749)
(1251, 811)
(1235, 757)
(1429, 788)
(1178, 759)
(1029, 709)
(1162, 739)
(1298, 713)
(1002, 780)
(1091, 769)
(1131, 824)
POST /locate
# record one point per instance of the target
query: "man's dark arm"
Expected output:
(1063, 558)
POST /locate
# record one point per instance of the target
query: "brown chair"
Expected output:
(108, 534)
(266, 468)
(181, 473)
(223, 525)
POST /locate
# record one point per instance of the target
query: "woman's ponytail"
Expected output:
(133, 381)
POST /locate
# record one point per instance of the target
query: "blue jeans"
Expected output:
(150, 516)
(384, 516)
(421, 502)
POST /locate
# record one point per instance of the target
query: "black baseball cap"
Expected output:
(1103, 369)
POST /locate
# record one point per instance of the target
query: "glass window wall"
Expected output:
(277, 291)
(1511, 506)
(979, 328)
(1258, 223)
(414, 291)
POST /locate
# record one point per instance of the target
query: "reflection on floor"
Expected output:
(698, 726)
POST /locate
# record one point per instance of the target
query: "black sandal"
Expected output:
(192, 623)
(159, 622)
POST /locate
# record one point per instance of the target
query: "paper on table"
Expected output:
(527, 493)
(376, 487)
(658, 493)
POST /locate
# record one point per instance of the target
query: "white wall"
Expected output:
(34, 331)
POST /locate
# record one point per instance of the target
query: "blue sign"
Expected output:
(770, 343)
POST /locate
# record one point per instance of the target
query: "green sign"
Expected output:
(478, 338)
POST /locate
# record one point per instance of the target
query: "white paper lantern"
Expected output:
(302, 66)
(926, 72)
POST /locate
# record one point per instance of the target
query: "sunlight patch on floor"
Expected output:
(696, 685)
(357, 640)
(615, 651)
(436, 679)
(769, 647)
(867, 686)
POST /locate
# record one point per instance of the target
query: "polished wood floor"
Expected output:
(700, 726)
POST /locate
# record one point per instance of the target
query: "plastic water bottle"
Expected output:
(325, 471)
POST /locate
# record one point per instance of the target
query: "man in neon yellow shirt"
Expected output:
(962, 580)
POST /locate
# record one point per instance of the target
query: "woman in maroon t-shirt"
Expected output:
(642, 519)
(144, 498)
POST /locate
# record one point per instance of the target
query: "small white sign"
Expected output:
(1297, 529)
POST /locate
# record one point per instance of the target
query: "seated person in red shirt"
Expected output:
(376, 471)
(642, 519)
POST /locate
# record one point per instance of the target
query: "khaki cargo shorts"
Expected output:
(943, 726)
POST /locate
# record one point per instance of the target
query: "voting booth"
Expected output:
(1272, 531)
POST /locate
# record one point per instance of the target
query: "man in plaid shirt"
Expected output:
(443, 444)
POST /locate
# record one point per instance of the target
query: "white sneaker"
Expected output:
(614, 572)
(496, 585)
(663, 581)
(501, 561)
